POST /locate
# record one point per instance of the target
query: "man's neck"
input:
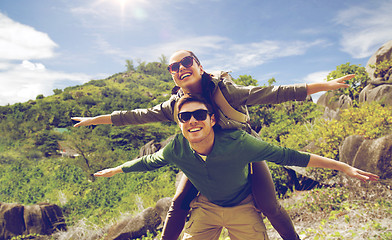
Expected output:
(204, 147)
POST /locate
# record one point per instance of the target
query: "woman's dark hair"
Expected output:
(194, 56)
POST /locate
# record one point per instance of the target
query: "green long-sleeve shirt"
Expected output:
(223, 176)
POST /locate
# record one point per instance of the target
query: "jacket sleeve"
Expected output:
(160, 113)
(145, 163)
(255, 95)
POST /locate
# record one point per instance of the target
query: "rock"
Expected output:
(380, 86)
(11, 220)
(382, 93)
(330, 100)
(333, 104)
(135, 227)
(16, 219)
(369, 155)
(151, 146)
(349, 148)
(161, 207)
(382, 54)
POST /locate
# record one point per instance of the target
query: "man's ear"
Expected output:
(213, 121)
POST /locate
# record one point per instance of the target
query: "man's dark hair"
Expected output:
(197, 98)
(194, 98)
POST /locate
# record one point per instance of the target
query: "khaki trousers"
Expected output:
(207, 220)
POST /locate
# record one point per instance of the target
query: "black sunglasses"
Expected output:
(175, 67)
(199, 115)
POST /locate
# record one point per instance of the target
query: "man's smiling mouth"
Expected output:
(194, 129)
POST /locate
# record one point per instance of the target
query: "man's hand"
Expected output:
(109, 172)
(359, 174)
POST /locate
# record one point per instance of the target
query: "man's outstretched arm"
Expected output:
(323, 162)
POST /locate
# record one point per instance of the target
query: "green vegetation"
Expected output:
(33, 170)
(356, 84)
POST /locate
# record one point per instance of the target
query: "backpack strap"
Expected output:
(227, 109)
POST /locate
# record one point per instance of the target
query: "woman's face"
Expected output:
(187, 78)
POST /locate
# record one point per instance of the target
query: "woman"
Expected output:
(189, 77)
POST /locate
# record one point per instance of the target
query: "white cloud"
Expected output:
(315, 78)
(238, 56)
(19, 42)
(215, 52)
(24, 81)
(20, 78)
(366, 28)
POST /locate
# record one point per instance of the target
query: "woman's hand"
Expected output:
(83, 121)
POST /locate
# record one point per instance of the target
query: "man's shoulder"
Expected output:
(176, 144)
(229, 134)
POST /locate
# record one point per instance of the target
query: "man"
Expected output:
(216, 162)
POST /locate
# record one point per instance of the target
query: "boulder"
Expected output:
(17, 219)
(382, 54)
(381, 93)
(152, 146)
(161, 207)
(369, 155)
(333, 104)
(380, 86)
(135, 227)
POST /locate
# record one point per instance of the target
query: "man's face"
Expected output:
(197, 131)
(186, 78)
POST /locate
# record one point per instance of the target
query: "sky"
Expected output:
(54, 44)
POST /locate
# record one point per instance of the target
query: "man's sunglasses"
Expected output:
(199, 115)
(175, 67)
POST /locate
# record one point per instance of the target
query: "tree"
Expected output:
(57, 91)
(163, 60)
(246, 80)
(40, 96)
(271, 81)
(129, 65)
(356, 84)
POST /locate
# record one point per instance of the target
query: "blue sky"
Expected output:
(46, 44)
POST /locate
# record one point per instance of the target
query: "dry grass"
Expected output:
(356, 211)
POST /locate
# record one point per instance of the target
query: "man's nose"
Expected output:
(192, 119)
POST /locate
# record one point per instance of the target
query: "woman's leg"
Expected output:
(264, 195)
(179, 209)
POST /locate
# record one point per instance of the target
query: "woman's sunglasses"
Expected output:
(175, 67)
(199, 115)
